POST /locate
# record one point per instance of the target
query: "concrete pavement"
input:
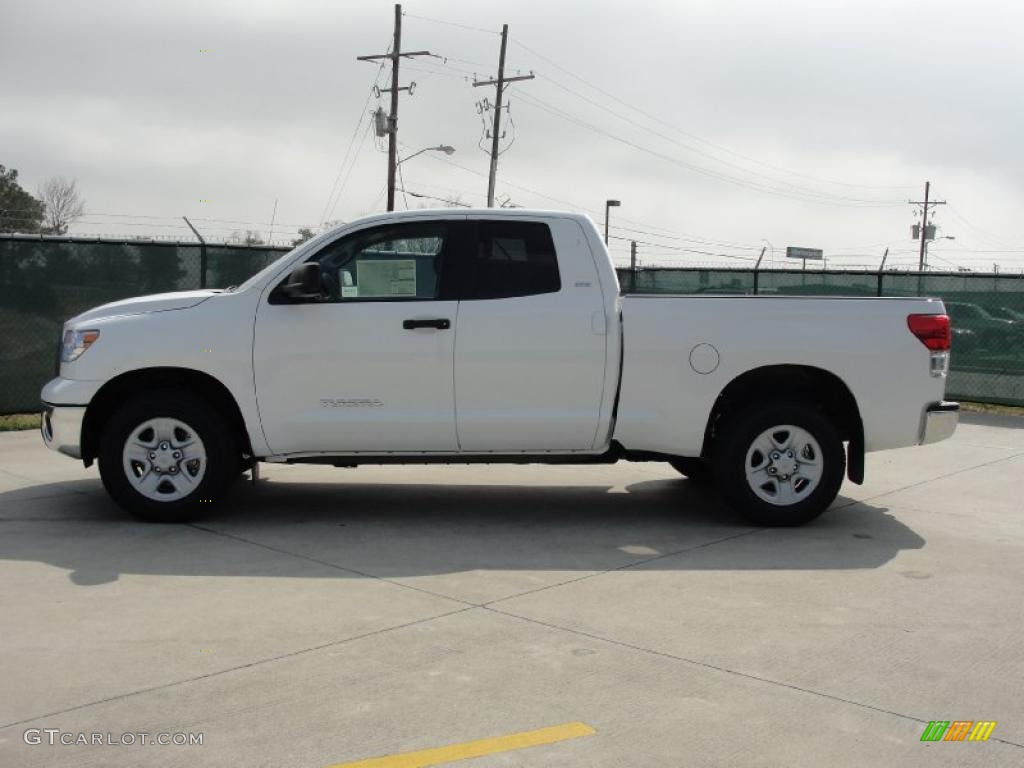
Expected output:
(331, 615)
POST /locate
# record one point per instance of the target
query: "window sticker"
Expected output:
(386, 278)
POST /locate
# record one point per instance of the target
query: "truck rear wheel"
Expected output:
(779, 464)
(166, 457)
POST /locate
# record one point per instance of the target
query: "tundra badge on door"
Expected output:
(351, 402)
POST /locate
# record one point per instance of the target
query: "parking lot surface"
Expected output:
(328, 616)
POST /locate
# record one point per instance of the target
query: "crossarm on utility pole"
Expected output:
(378, 56)
(504, 80)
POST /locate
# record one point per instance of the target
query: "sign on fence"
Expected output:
(804, 253)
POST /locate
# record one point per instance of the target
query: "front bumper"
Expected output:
(940, 422)
(62, 428)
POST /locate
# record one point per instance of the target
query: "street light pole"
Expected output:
(607, 205)
(447, 149)
(440, 148)
(924, 261)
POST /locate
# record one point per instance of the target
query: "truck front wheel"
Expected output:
(166, 457)
(779, 464)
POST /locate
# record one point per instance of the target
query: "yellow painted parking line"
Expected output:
(478, 748)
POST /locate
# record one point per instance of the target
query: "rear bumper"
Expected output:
(62, 428)
(940, 422)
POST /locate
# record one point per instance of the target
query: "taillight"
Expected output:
(932, 330)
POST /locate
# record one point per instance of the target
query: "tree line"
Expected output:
(53, 208)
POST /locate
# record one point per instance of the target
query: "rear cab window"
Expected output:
(510, 258)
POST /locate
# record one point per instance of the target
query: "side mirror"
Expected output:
(304, 282)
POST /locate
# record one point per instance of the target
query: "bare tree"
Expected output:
(63, 204)
(249, 237)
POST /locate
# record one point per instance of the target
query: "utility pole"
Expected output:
(395, 56)
(924, 222)
(496, 126)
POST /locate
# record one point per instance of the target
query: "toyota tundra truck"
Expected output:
(465, 336)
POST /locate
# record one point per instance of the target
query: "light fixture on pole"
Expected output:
(927, 243)
(448, 150)
(607, 205)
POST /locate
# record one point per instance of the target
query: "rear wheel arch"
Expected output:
(116, 392)
(793, 383)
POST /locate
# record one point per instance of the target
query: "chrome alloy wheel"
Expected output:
(784, 465)
(164, 459)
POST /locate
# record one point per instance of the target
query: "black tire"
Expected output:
(222, 455)
(694, 469)
(737, 437)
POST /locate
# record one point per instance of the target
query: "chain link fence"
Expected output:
(986, 310)
(46, 280)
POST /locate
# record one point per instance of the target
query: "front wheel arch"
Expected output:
(125, 386)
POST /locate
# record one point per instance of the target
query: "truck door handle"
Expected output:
(440, 323)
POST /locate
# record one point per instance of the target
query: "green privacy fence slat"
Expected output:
(44, 281)
(987, 312)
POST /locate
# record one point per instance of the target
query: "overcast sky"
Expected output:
(803, 123)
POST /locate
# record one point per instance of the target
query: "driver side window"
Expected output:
(395, 262)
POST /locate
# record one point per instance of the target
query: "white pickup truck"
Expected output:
(455, 336)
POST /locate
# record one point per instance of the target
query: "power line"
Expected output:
(808, 196)
(446, 59)
(348, 174)
(450, 23)
(149, 217)
(437, 73)
(683, 250)
(985, 235)
(690, 147)
(652, 230)
(355, 132)
(570, 205)
(687, 239)
(692, 135)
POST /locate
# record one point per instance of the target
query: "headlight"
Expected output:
(75, 343)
